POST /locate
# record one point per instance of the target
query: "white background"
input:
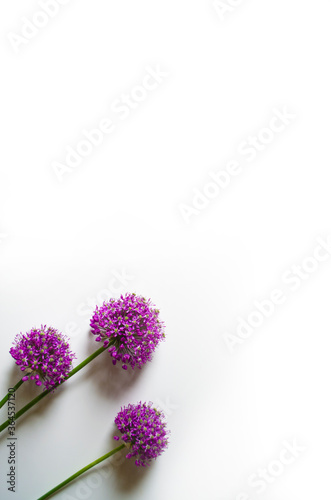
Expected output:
(61, 242)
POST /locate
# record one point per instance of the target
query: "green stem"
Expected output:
(81, 471)
(86, 361)
(43, 394)
(19, 383)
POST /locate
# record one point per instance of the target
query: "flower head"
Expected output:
(130, 326)
(44, 354)
(143, 431)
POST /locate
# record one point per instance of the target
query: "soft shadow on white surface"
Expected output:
(109, 380)
(127, 476)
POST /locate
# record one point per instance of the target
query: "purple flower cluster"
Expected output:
(44, 354)
(130, 326)
(143, 431)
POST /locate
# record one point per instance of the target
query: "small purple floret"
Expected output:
(44, 355)
(131, 327)
(143, 430)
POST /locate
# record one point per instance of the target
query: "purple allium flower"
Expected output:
(143, 431)
(44, 354)
(130, 326)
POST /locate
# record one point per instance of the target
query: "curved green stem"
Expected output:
(19, 383)
(81, 471)
(43, 394)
